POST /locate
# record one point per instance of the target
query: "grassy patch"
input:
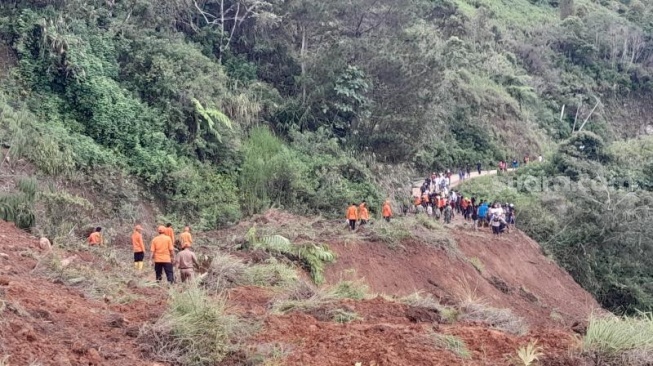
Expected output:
(529, 354)
(194, 330)
(612, 338)
(500, 319)
(452, 343)
(271, 273)
(344, 316)
(476, 262)
(355, 290)
(421, 300)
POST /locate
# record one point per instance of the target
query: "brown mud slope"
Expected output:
(391, 334)
(46, 323)
(512, 273)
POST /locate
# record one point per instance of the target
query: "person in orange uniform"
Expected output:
(96, 237)
(352, 216)
(386, 211)
(363, 213)
(170, 232)
(162, 255)
(139, 247)
(185, 238)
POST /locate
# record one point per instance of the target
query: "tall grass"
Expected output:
(194, 331)
(612, 336)
(453, 344)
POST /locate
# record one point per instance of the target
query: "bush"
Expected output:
(611, 336)
(452, 343)
(195, 330)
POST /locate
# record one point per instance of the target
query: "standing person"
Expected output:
(363, 213)
(474, 214)
(96, 237)
(186, 260)
(139, 247)
(463, 207)
(386, 211)
(186, 237)
(447, 214)
(482, 213)
(540, 158)
(170, 232)
(352, 216)
(478, 167)
(163, 253)
(468, 170)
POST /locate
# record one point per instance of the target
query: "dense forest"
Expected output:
(218, 109)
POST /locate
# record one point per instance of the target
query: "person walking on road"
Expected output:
(352, 216)
(478, 168)
(163, 253)
(186, 261)
(139, 247)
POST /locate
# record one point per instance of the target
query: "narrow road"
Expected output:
(454, 180)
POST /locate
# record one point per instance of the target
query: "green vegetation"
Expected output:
(588, 206)
(195, 330)
(452, 343)
(620, 339)
(312, 256)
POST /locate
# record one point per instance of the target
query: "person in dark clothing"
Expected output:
(478, 168)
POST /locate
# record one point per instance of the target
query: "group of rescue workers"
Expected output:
(360, 213)
(162, 251)
(439, 200)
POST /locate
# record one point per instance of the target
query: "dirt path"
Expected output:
(455, 180)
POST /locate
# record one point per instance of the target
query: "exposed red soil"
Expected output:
(515, 274)
(386, 336)
(53, 324)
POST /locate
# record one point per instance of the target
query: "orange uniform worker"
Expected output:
(386, 211)
(185, 238)
(170, 232)
(352, 216)
(162, 255)
(139, 247)
(363, 213)
(96, 237)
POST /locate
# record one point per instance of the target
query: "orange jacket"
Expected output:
(418, 201)
(186, 239)
(170, 232)
(137, 242)
(161, 248)
(387, 210)
(363, 213)
(95, 238)
(352, 213)
(441, 202)
(465, 202)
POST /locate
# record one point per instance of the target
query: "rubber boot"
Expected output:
(140, 266)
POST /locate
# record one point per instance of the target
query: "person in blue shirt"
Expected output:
(482, 213)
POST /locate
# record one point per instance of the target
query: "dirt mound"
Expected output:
(385, 336)
(48, 323)
(504, 272)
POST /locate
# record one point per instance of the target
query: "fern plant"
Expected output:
(529, 353)
(312, 256)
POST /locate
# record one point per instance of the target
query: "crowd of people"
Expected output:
(165, 252)
(439, 200)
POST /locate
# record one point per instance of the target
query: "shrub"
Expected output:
(355, 290)
(613, 336)
(271, 273)
(500, 319)
(452, 343)
(193, 331)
